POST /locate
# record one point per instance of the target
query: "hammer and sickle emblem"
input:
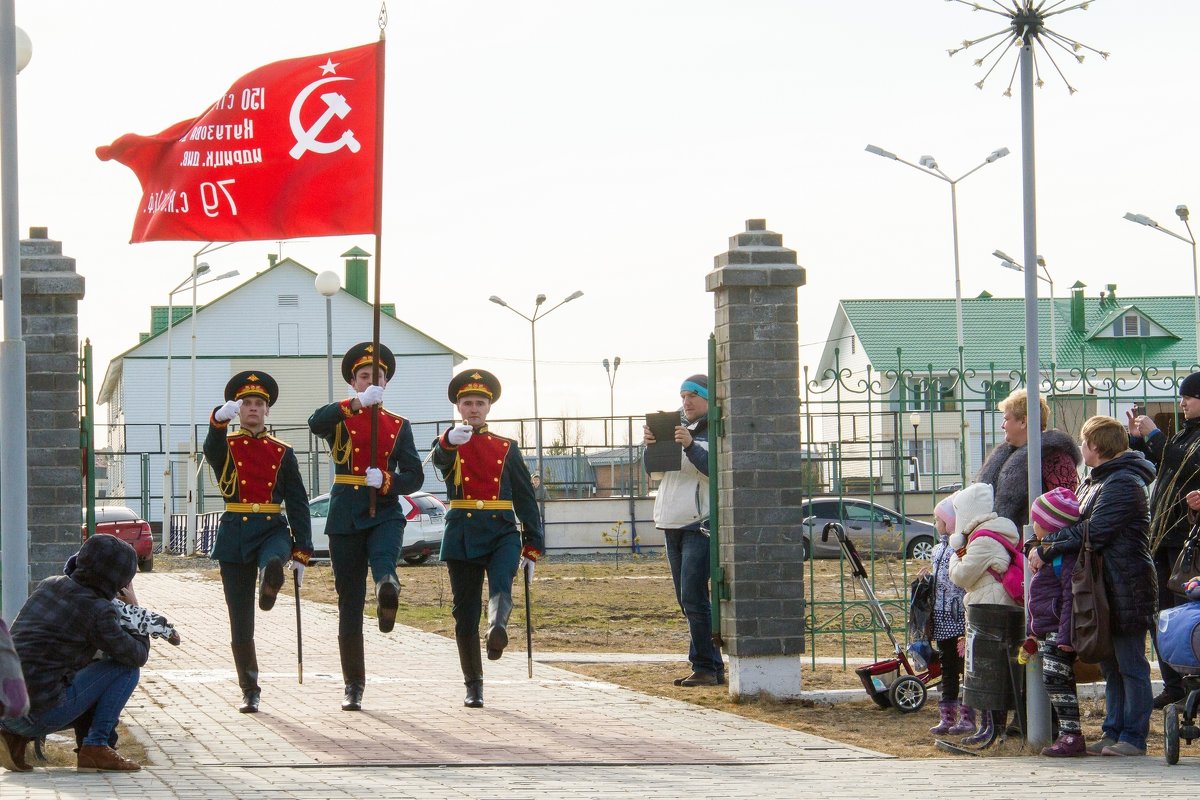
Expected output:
(306, 139)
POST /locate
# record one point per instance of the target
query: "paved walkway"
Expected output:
(557, 736)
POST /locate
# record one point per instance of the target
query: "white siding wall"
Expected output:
(247, 322)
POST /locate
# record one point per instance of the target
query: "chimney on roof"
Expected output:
(1112, 293)
(1078, 312)
(356, 272)
(271, 260)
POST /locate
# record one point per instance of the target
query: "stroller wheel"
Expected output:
(1171, 733)
(907, 694)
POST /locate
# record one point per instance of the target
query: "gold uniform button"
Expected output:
(243, 482)
(479, 504)
(245, 519)
(254, 508)
(498, 461)
(495, 480)
(270, 484)
(356, 449)
(468, 513)
(239, 463)
(268, 517)
(356, 488)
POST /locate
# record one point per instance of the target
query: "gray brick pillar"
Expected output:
(758, 386)
(50, 294)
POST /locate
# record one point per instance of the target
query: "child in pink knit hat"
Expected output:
(1050, 621)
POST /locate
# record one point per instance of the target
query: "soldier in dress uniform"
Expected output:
(489, 488)
(257, 474)
(356, 538)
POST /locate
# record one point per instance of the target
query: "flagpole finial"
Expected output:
(382, 17)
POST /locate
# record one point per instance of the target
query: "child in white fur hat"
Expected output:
(980, 559)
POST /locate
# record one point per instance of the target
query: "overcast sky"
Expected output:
(545, 146)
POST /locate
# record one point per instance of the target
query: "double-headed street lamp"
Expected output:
(612, 379)
(192, 280)
(1011, 263)
(928, 165)
(537, 314)
(1181, 211)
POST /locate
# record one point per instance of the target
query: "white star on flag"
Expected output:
(329, 67)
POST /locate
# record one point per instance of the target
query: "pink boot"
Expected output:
(966, 721)
(949, 713)
(1067, 745)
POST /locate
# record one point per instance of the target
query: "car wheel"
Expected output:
(413, 561)
(920, 548)
(146, 565)
(805, 549)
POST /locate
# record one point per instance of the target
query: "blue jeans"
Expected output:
(1127, 693)
(106, 685)
(687, 553)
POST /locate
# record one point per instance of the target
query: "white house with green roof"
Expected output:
(898, 364)
(275, 321)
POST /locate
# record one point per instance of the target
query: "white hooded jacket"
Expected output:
(985, 559)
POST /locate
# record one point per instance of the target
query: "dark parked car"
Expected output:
(123, 523)
(873, 529)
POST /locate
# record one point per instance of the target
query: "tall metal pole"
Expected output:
(329, 369)
(958, 320)
(192, 477)
(167, 482)
(537, 418)
(14, 478)
(1037, 704)
(1195, 284)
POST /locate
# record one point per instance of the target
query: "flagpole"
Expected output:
(379, 97)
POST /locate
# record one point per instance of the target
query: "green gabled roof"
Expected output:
(1119, 312)
(994, 333)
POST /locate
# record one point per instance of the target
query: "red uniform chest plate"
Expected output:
(257, 462)
(481, 461)
(359, 427)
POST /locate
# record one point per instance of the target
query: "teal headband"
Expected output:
(695, 388)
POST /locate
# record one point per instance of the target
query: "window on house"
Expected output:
(995, 392)
(923, 394)
(922, 451)
(289, 339)
(1131, 325)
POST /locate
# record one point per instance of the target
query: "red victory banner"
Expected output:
(288, 151)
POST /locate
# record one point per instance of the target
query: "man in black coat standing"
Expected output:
(1178, 462)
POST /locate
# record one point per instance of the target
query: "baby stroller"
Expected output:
(1178, 643)
(882, 680)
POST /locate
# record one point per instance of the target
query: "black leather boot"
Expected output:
(270, 580)
(472, 669)
(499, 609)
(387, 596)
(354, 671)
(245, 661)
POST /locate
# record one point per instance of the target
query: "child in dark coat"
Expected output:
(1050, 621)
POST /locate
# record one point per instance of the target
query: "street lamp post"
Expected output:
(328, 285)
(914, 419)
(15, 52)
(612, 378)
(537, 314)
(928, 165)
(1181, 211)
(1010, 263)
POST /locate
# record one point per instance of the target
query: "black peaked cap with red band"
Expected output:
(362, 355)
(474, 381)
(252, 383)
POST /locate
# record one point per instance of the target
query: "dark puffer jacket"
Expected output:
(1113, 503)
(68, 618)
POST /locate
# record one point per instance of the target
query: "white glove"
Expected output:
(460, 434)
(371, 396)
(228, 411)
(374, 477)
(527, 564)
(298, 568)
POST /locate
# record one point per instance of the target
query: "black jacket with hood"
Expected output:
(69, 617)
(1113, 505)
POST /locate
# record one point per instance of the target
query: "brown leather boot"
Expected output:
(102, 758)
(12, 752)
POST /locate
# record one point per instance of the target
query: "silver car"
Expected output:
(874, 529)
(426, 523)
